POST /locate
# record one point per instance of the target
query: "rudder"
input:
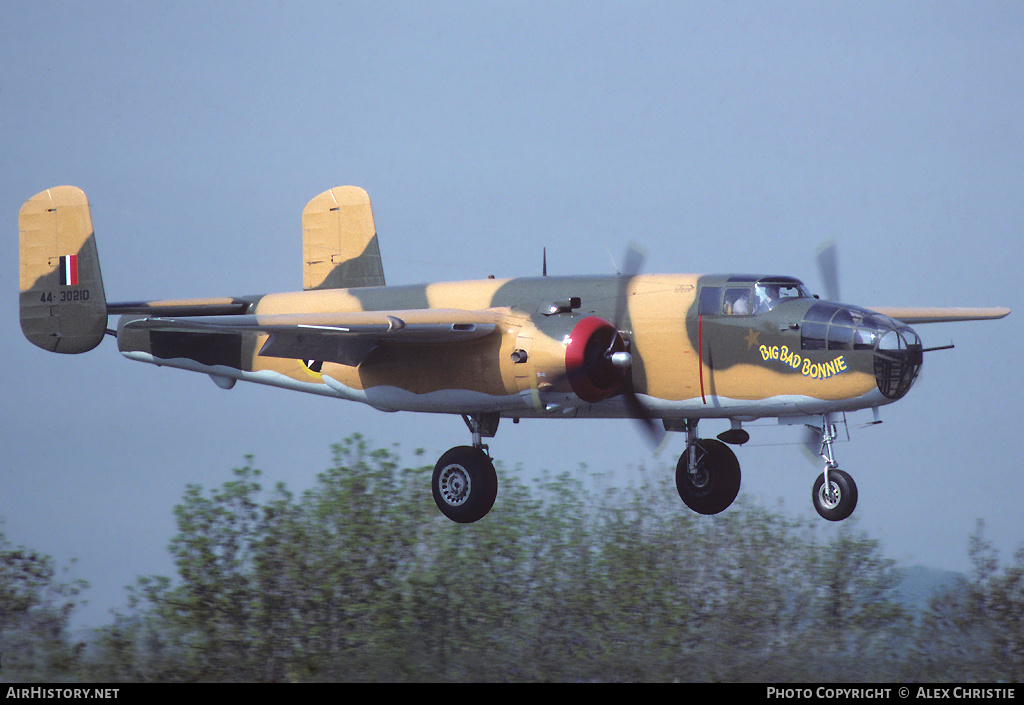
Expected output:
(63, 306)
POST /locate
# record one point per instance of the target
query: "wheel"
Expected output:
(464, 484)
(839, 499)
(715, 484)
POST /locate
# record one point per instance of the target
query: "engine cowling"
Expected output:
(577, 357)
(590, 367)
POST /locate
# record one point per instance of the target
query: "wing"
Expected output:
(914, 315)
(345, 338)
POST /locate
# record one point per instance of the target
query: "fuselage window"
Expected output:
(840, 337)
(829, 326)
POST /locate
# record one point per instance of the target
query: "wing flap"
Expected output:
(345, 338)
(925, 314)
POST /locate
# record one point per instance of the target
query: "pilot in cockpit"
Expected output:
(766, 295)
(740, 307)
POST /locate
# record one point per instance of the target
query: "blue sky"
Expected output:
(720, 136)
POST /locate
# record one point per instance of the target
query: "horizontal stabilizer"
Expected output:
(182, 307)
(925, 314)
(345, 338)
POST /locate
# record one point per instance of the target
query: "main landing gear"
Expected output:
(464, 482)
(707, 474)
(835, 493)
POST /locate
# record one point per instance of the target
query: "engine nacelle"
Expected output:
(569, 353)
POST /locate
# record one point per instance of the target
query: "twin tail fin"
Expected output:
(62, 303)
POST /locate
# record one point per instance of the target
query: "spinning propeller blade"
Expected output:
(828, 268)
(632, 264)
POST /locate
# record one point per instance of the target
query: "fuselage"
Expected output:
(700, 346)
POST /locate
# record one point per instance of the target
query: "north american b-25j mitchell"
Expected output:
(665, 349)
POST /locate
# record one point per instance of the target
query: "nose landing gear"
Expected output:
(835, 493)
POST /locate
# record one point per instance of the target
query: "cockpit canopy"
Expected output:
(746, 295)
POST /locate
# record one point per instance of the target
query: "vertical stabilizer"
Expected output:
(63, 307)
(339, 241)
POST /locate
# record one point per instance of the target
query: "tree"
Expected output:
(573, 577)
(974, 630)
(35, 609)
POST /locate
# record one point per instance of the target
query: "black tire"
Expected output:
(717, 481)
(840, 503)
(464, 484)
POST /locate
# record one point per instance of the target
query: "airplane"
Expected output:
(664, 349)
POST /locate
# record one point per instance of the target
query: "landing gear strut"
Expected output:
(464, 483)
(835, 493)
(707, 474)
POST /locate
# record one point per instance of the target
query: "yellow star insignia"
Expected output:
(751, 338)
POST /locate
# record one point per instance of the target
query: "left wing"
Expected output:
(345, 338)
(914, 315)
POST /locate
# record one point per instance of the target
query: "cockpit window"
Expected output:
(737, 302)
(770, 292)
(740, 299)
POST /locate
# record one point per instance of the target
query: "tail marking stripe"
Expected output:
(69, 270)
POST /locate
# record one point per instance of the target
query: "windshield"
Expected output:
(768, 293)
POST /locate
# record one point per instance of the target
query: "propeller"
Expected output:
(828, 271)
(828, 268)
(602, 364)
(632, 264)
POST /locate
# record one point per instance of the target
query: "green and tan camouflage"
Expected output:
(670, 347)
(62, 304)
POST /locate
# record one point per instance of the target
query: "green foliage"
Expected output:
(34, 611)
(570, 578)
(974, 631)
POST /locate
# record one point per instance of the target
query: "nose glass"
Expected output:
(898, 360)
(896, 347)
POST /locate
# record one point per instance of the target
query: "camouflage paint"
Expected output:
(683, 364)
